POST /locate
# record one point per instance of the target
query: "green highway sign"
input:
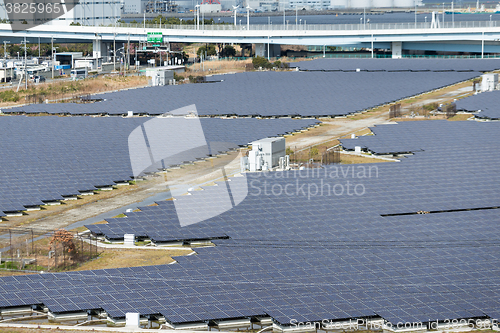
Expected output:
(156, 45)
(155, 37)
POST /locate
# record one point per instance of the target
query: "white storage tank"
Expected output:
(383, 3)
(338, 3)
(360, 4)
(404, 3)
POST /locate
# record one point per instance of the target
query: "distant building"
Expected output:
(96, 12)
(373, 3)
(134, 6)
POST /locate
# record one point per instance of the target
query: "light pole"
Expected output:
(443, 14)
(5, 48)
(197, 17)
(452, 15)
(490, 20)
(52, 51)
(234, 9)
(25, 65)
(114, 52)
(296, 16)
(364, 17)
(248, 17)
(415, 14)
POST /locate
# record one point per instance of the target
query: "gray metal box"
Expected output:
(272, 149)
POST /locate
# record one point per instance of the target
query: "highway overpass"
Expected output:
(479, 37)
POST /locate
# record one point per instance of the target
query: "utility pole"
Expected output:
(25, 65)
(128, 53)
(52, 51)
(5, 48)
(114, 52)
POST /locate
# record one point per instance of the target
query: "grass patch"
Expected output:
(116, 258)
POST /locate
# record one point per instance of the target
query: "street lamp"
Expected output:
(5, 48)
(443, 14)
(452, 15)
(296, 15)
(25, 63)
(248, 17)
(197, 17)
(234, 9)
(52, 51)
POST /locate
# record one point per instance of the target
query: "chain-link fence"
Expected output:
(30, 249)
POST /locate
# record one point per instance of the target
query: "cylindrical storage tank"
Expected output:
(404, 3)
(338, 3)
(360, 3)
(383, 3)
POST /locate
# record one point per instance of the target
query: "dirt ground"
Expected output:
(116, 258)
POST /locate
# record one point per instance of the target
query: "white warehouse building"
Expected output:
(93, 12)
(373, 3)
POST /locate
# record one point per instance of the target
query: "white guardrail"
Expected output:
(317, 27)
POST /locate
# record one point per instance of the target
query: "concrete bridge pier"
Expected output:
(397, 50)
(102, 50)
(261, 50)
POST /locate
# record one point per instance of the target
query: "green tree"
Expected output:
(209, 49)
(228, 51)
(259, 61)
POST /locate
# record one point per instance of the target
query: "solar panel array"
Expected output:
(48, 158)
(487, 102)
(405, 269)
(295, 255)
(398, 65)
(266, 94)
(388, 140)
(394, 194)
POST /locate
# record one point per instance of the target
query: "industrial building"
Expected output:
(98, 12)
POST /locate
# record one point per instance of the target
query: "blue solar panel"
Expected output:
(315, 257)
(65, 156)
(272, 94)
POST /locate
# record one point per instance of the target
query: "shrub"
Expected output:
(9, 96)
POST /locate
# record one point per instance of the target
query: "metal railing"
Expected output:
(317, 27)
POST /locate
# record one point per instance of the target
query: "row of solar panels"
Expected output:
(266, 94)
(400, 65)
(72, 155)
(290, 256)
(422, 281)
(485, 103)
